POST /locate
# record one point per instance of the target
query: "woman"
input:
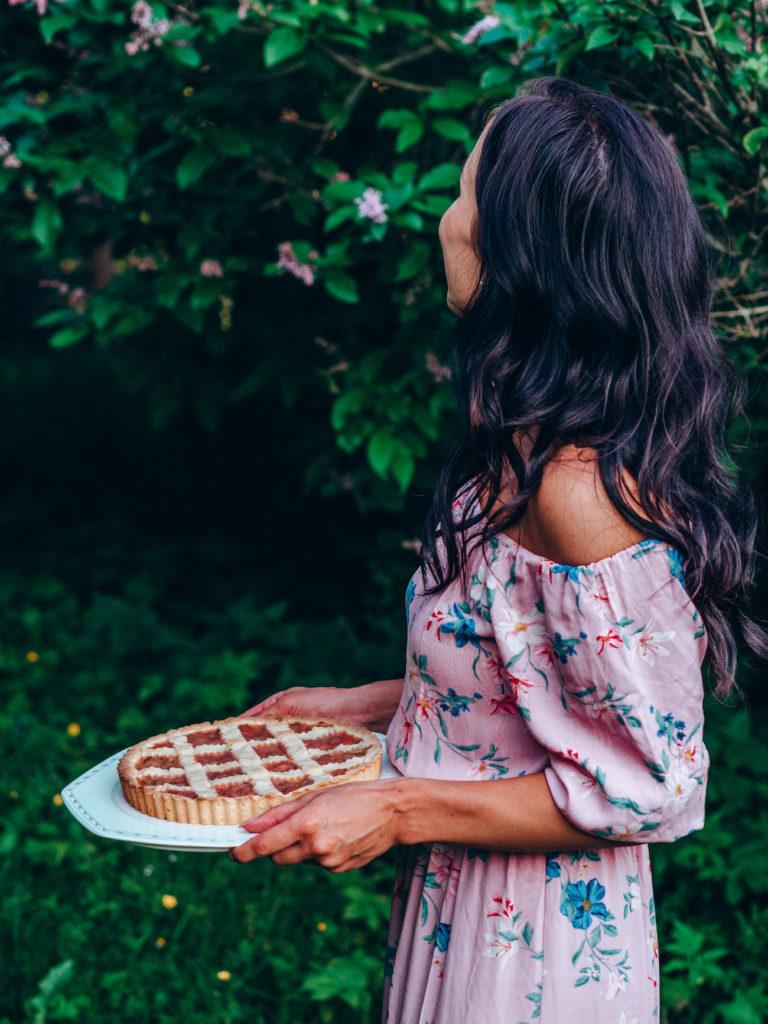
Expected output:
(586, 553)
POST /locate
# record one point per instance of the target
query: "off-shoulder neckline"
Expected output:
(631, 551)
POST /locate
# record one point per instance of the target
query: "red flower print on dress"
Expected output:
(546, 650)
(504, 908)
(545, 566)
(609, 639)
(445, 871)
(407, 729)
(600, 592)
(505, 703)
(424, 707)
(438, 616)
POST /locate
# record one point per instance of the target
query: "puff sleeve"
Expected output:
(605, 670)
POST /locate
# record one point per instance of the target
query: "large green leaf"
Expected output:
(281, 44)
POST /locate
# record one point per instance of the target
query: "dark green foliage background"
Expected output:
(208, 481)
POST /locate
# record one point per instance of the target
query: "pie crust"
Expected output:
(224, 772)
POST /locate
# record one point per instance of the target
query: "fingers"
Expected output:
(277, 814)
(269, 703)
(271, 840)
(262, 706)
(293, 855)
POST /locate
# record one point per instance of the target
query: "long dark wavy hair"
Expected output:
(590, 322)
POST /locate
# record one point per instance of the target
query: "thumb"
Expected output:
(263, 705)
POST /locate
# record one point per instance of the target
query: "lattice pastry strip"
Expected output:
(224, 772)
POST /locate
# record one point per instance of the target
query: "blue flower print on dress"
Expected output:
(389, 960)
(676, 565)
(579, 575)
(461, 626)
(410, 593)
(553, 866)
(564, 647)
(583, 902)
(645, 545)
(442, 936)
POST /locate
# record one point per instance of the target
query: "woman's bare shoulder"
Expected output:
(573, 519)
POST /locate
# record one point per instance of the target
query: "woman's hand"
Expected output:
(371, 705)
(313, 702)
(339, 828)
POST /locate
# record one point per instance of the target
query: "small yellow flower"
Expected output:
(169, 902)
(225, 312)
(13, 795)
(32, 657)
(145, 217)
(159, 942)
(57, 800)
(321, 926)
(223, 975)
(188, 91)
(73, 729)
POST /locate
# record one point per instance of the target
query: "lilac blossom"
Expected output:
(148, 29)
(369, 205)
(7, 156)
(141, 262)
(303, 271)
(486, 24)
(438, 370)
(211, 268)
(41, 5)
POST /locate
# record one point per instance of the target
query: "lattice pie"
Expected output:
(222, 773)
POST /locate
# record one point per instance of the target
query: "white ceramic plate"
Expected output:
(96, 800)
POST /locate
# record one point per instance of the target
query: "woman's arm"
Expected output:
(347, 826)
(514, 815)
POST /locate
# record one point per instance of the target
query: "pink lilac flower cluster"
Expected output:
(436, 368)
(486, 24)
(141, 262)
(41, 5)
(303, 271)
(7, 157)
(369, 205)
(61, 286)
(340, 176)
(76, 298)
(148, 29)
(211, 268)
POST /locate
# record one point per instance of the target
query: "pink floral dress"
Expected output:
(591, 673)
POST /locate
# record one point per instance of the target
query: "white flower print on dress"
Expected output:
(649, 645)
(624, 1019)
(615, 986)
(519, 628)
(502, 949)
(482, 770)
(483, 585)
(678, 783)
